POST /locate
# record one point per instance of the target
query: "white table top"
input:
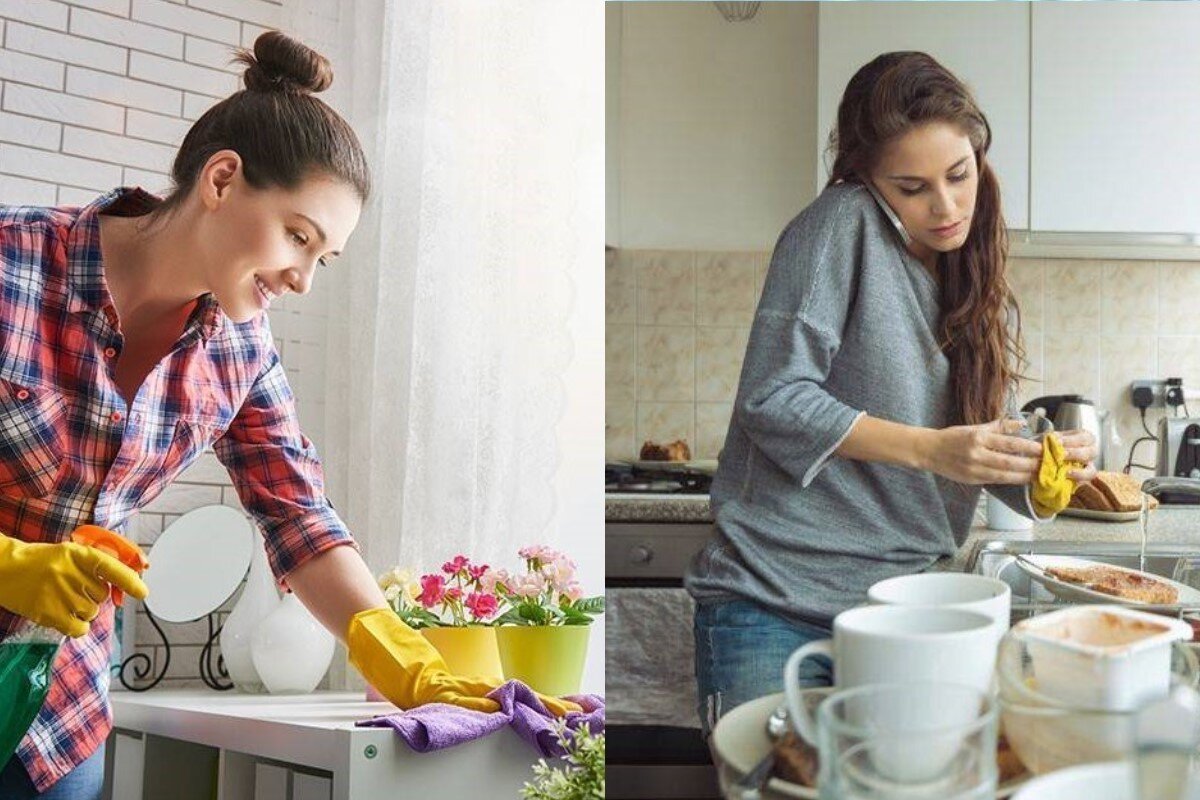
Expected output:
(323, 709)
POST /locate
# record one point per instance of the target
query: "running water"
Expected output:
(1142, 525)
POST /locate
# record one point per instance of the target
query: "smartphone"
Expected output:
(905, 239)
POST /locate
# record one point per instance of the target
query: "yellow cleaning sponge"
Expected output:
(1052, 490)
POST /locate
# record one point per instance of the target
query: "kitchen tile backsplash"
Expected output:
(678, 323)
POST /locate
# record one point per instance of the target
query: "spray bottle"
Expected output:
(27, 655)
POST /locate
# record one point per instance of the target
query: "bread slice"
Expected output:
(1118, 583)
(1088, 496)
(677, 450)
(1123, 492)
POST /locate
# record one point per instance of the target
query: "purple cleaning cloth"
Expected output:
(438, 725)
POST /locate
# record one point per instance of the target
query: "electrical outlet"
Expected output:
(1159, 388)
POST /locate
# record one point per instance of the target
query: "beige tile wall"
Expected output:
(678, 323)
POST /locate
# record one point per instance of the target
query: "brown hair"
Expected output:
(281, 131)
(885, 99)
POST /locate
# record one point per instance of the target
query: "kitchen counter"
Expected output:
(1178, 525)
(179, 743)
(657, 508)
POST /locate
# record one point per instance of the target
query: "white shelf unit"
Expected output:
(201, 744)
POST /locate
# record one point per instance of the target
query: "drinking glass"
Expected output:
(911, 741)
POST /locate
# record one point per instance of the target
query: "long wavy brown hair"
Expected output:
(888, 97)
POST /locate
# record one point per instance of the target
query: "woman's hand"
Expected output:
(61, 585)
(981, 454)
(1080, 446)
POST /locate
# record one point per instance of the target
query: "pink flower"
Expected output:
(573, 591)
(537, 552)
(433, 589)
(560, 572)
(454, 593)
(531, 584)
(494, 580)
(476, 572)
(482, 605)
(455, 565)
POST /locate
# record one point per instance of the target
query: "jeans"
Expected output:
(85, 782)
(741, 648)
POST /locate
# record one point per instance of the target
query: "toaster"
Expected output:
(1178, 447)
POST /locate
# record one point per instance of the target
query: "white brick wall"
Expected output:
(99, 93)
(34, 102)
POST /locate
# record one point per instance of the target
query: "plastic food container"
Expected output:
(1103, 657)
(1070, 682)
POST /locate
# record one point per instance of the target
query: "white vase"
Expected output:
(259, 598)
(291, 649)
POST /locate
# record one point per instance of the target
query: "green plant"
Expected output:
(546, 594)
(582, 778)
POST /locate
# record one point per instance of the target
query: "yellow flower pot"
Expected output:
(469, 651)
(549, 659)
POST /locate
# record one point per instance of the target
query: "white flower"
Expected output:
(394, 577)
(411, 591)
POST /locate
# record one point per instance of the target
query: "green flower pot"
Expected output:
(548, 659)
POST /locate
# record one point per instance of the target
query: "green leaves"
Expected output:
(531, 611)
(590, 605)
(416, 618)
(582, 773)
(535, 614)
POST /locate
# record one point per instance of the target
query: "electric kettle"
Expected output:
(1074, 412)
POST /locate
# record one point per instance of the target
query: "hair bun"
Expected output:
(280, 63)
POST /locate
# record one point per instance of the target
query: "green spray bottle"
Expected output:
(27, 655)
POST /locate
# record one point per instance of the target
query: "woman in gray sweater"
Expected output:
(883, 350)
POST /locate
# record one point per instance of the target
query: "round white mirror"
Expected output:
(197, 563)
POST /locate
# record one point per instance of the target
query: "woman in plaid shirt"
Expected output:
(132, 337)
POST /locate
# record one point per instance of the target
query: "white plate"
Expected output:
(1107, 516)
(1103, 781)
(740, 741)
(1035, 567)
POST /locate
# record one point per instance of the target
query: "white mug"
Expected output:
(897, 644)
(1002, 518)
(990, 596)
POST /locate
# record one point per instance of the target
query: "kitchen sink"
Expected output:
(997, 559)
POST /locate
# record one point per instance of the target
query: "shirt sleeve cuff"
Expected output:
(820, 461)
(294, 541)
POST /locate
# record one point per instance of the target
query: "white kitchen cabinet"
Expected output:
(1115, 109)
(985, 44)
(200, 745)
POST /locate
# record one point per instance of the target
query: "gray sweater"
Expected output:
(847, 325)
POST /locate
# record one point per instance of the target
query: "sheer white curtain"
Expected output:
(470, 294)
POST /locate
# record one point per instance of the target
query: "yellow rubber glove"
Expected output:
(405, 668)
(60, 585)
(1052, 490)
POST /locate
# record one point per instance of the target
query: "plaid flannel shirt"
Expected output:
(73, 452)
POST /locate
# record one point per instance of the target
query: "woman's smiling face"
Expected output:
(262, 243)
(929, 178)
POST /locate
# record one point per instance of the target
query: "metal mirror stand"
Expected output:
(141, 664)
